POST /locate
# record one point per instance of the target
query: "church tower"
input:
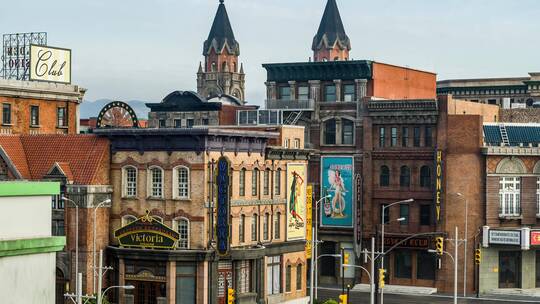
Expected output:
(331, 43)
(221, 73)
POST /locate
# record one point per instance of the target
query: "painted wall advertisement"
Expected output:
(337, 180)
(309, 220)
(296, 201)
(50, 64)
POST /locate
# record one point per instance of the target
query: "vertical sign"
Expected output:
(309, 223)
(296, 201)
(337, 180)
(358, 223)
(438, 183)
(222, 226)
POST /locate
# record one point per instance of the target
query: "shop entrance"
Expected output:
(147, 292)
(509, 269)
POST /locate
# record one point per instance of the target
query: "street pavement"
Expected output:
(357, 297)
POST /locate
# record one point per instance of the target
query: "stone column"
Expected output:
(361, 89)
(315, 93)
(271, 93)
(337, 83)
(292, 84)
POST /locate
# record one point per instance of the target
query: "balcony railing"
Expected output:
(259, 117)
(293, 105)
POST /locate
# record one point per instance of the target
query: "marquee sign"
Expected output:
(50, 64)
(223, 206)
(147, 232)
(438, 183)
(504, 237)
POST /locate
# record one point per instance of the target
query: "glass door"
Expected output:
(509, 269)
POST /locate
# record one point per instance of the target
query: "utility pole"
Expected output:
(455, 265)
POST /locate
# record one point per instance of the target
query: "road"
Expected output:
(356, 297)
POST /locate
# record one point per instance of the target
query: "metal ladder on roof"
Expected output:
(293, 118)
(504, 134)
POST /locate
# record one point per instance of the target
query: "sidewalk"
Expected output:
(399, 289)
(513, 292)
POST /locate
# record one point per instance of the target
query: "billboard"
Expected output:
(337, 180)
(16, 53)
(296, 201)
(50, 64)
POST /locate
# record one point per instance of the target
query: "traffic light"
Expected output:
(439, 245)
(382, 273)
(230, 296)
(346, 258)
(342, 299)
(477, 256)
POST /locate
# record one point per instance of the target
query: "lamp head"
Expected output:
(128, 287)
(107, 201)
(409, 200)
(401, 219)
(64, 198)
(432, 251)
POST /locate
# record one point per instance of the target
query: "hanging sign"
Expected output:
(223, 208)
(147, 232)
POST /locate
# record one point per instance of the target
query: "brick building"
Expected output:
(80, 163)
(39, 107)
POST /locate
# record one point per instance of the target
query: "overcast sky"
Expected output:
(145, 49)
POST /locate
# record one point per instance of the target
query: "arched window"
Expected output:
(181, 182)
(266, 182)
(129, 181)
(347, 132)
(288, 279)
(127, 219)
(235, 69)
(254, 220)
(213, 66)
(255, 182)
(242, 182)
(181, 225)
(277, 225)
(405, 177)
(425, 177)
(384, 177)
(242, 229)
(224, 66)
(329, 135)
(266, 226)
(155, 182)
(299, 277)
(277, 182)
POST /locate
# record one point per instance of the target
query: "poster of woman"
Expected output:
(296, 201)
(337, 181)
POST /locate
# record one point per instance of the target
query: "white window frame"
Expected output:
(150, 178)
(510, 199)
(176, 183)
(176, 223)
(158, 218)
(125, 184)
(297, 143)
(273, 275)
(126, 219)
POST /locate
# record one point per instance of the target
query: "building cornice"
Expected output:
(41, 90)
(506, 150)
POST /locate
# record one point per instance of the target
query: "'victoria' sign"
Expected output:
(147, 232)
(50, 64)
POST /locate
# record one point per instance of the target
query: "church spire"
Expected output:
(331, 42)
(221, 36)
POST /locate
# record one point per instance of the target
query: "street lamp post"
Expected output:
(454, 259)
(94, 245)
(127, 287)
(314, 263)
(382, 233)
(76, 242)
(466, 243)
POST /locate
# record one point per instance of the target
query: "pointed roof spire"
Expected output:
(200, 68)
(331, 29)
(221, 34)
(242, 68)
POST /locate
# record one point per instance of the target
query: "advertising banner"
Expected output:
(535, 238)
(296, 201)
(50, 64)
(337, 177)
(309, 220)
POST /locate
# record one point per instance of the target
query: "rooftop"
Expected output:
(516, 134)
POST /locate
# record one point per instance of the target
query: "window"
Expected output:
(425, 177)
(266, 226)
(330, 132)
(297, 143)
(6, 113)
(288, 279)
(61, 118)
(181, 182)
(509, 196)
(204, 122)
(405, 177)
(58, 228)
(416, 135)
(287, 143)
(285, 93)
(347, 136)
(330, 93)
(428, 137)
(130, 181)
(384, 177)
(190, 123)
(266, 182)
(393, 133)
(156, 182)
(57, 202)
(403, 264)
(242, 182)
(162, 123)
(426, 264)
(177, 123)
(242, 229)
(386, 213)
(299, 277)
(128, 219)
(181, 225)
(277, 182)
(277, 226)
(425, 215)
(34, 115)
(255, 182)
(348, 92)
(303, 93)
(405, 137)
(243, 276)
(186, 283)
(404, 213)
(254, 220)
(273, 275)
(382, 136)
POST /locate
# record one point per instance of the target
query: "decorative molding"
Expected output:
(512, 165)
